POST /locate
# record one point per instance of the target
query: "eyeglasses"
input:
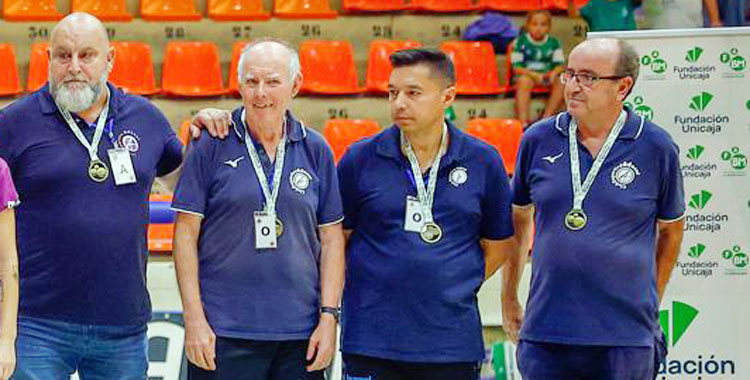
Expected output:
(585, 79)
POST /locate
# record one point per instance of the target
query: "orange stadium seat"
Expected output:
(192, 69)
(303, 9)
(563, 4)
(508, 86)
(10, 84)
(161, 226)
(184, 133)
(38, 66)
(169, 10)
(503, 134)
(134, 69)
(30, 10)
(340, 133)
(516, 5)
(105, 10)
(379, 66)
(236, 52)
(375, 5)
(476, 70)
(328, 67)
(237, 10)
(447, 5)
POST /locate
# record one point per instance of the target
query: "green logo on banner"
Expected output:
(683, 316)
(747, 105)
(737, 257)
(701, 101)
(732, 58)
(693, 54)
(736, 159)
(653, 61)
(699, 201)
(640, 108)
(696, 250)
(695, 152)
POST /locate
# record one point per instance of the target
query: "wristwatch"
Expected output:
(335, 311)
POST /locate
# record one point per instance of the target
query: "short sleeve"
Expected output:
(520, 187)
(558, 57)
(671, 201)
(192, 190)
(8, 194)
(7, 143)
(329, 205)
(516, 56)
(497, 220)
(171, 156)
(348, 189)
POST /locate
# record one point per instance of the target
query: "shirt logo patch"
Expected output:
(458, 176)
(624, 174)
(551, 159)
(235, 162)
(130, 141)
(300, 180)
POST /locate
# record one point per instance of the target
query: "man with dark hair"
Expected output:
(605, 188)
(427, 216)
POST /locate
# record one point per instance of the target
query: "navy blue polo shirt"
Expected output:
(404, 299)
(82, 245)
(597, 286)
(266, 294)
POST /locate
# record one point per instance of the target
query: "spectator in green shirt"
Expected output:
(537, 60)
(604, 15)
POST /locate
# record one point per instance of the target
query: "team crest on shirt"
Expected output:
(300, 180)
(458, 176)
(624, 174)
(130, 141)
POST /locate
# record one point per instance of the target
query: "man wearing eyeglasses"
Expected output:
(605, 189)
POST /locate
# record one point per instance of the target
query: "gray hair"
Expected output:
(294, 65)
(628, 63)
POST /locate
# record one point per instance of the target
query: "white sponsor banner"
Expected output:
(695, 83)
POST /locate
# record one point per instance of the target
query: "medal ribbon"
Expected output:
(92, 147)
(580, 190)
(269, 194)
(425, 195)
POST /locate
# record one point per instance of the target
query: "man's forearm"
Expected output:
(667, 250)
(186, 265)
(332, 265)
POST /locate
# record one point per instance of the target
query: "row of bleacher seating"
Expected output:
(503, 134)
(193, 69)
(252, 10)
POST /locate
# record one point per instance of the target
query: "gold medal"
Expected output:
(98, 171)
(575, 219)
(279, 227)
(431, 233)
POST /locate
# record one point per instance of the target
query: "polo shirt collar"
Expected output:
(631, 131)
(388, 144)
(295, 129)
(48, 105)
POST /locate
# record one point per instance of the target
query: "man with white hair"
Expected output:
(259, 246)
(84, 156)
(605, 189)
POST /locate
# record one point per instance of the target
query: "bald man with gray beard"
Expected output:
(84, 156)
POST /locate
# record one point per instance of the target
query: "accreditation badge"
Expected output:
(122, 166)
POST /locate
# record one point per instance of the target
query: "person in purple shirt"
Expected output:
(604, 188)
(259, 247)
(84, 156)
(8, 273)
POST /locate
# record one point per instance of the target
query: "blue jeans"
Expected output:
(52, 350)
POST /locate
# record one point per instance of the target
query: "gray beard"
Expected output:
(77, 100)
